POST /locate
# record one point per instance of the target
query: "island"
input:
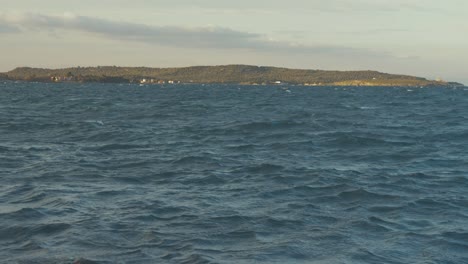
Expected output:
(223, 74)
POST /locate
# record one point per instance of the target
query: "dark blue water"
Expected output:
(95, 173)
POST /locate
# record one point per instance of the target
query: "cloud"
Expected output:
(180, 36)
(202, 37)
(185, 37)
(5, 28)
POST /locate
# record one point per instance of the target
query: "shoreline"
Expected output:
(223, 74)
(458, 85)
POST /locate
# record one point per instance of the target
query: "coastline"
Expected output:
(223, 74)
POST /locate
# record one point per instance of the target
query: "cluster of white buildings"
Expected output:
(61, 78)
(155, 81)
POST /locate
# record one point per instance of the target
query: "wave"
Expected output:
(215, 174)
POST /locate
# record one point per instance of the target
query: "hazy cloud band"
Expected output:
(199, 37)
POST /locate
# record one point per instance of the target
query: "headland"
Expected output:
(223, 74)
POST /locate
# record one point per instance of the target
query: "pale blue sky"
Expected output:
(428, 38)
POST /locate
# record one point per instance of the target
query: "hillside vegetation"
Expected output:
(243, 74)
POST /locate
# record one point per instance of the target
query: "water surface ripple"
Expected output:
(99, 173)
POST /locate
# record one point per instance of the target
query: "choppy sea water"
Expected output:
(100, 173)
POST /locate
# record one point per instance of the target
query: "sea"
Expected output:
(125, 173)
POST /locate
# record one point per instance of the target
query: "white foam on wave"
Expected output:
(367, 107)
(99, 122)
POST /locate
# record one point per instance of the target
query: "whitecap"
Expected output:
(367, 107)
(99, 122)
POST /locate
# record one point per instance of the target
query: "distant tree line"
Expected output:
(215, 74)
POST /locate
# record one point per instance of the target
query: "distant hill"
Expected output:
(238, 74)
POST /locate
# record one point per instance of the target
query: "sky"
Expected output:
(427, 38)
